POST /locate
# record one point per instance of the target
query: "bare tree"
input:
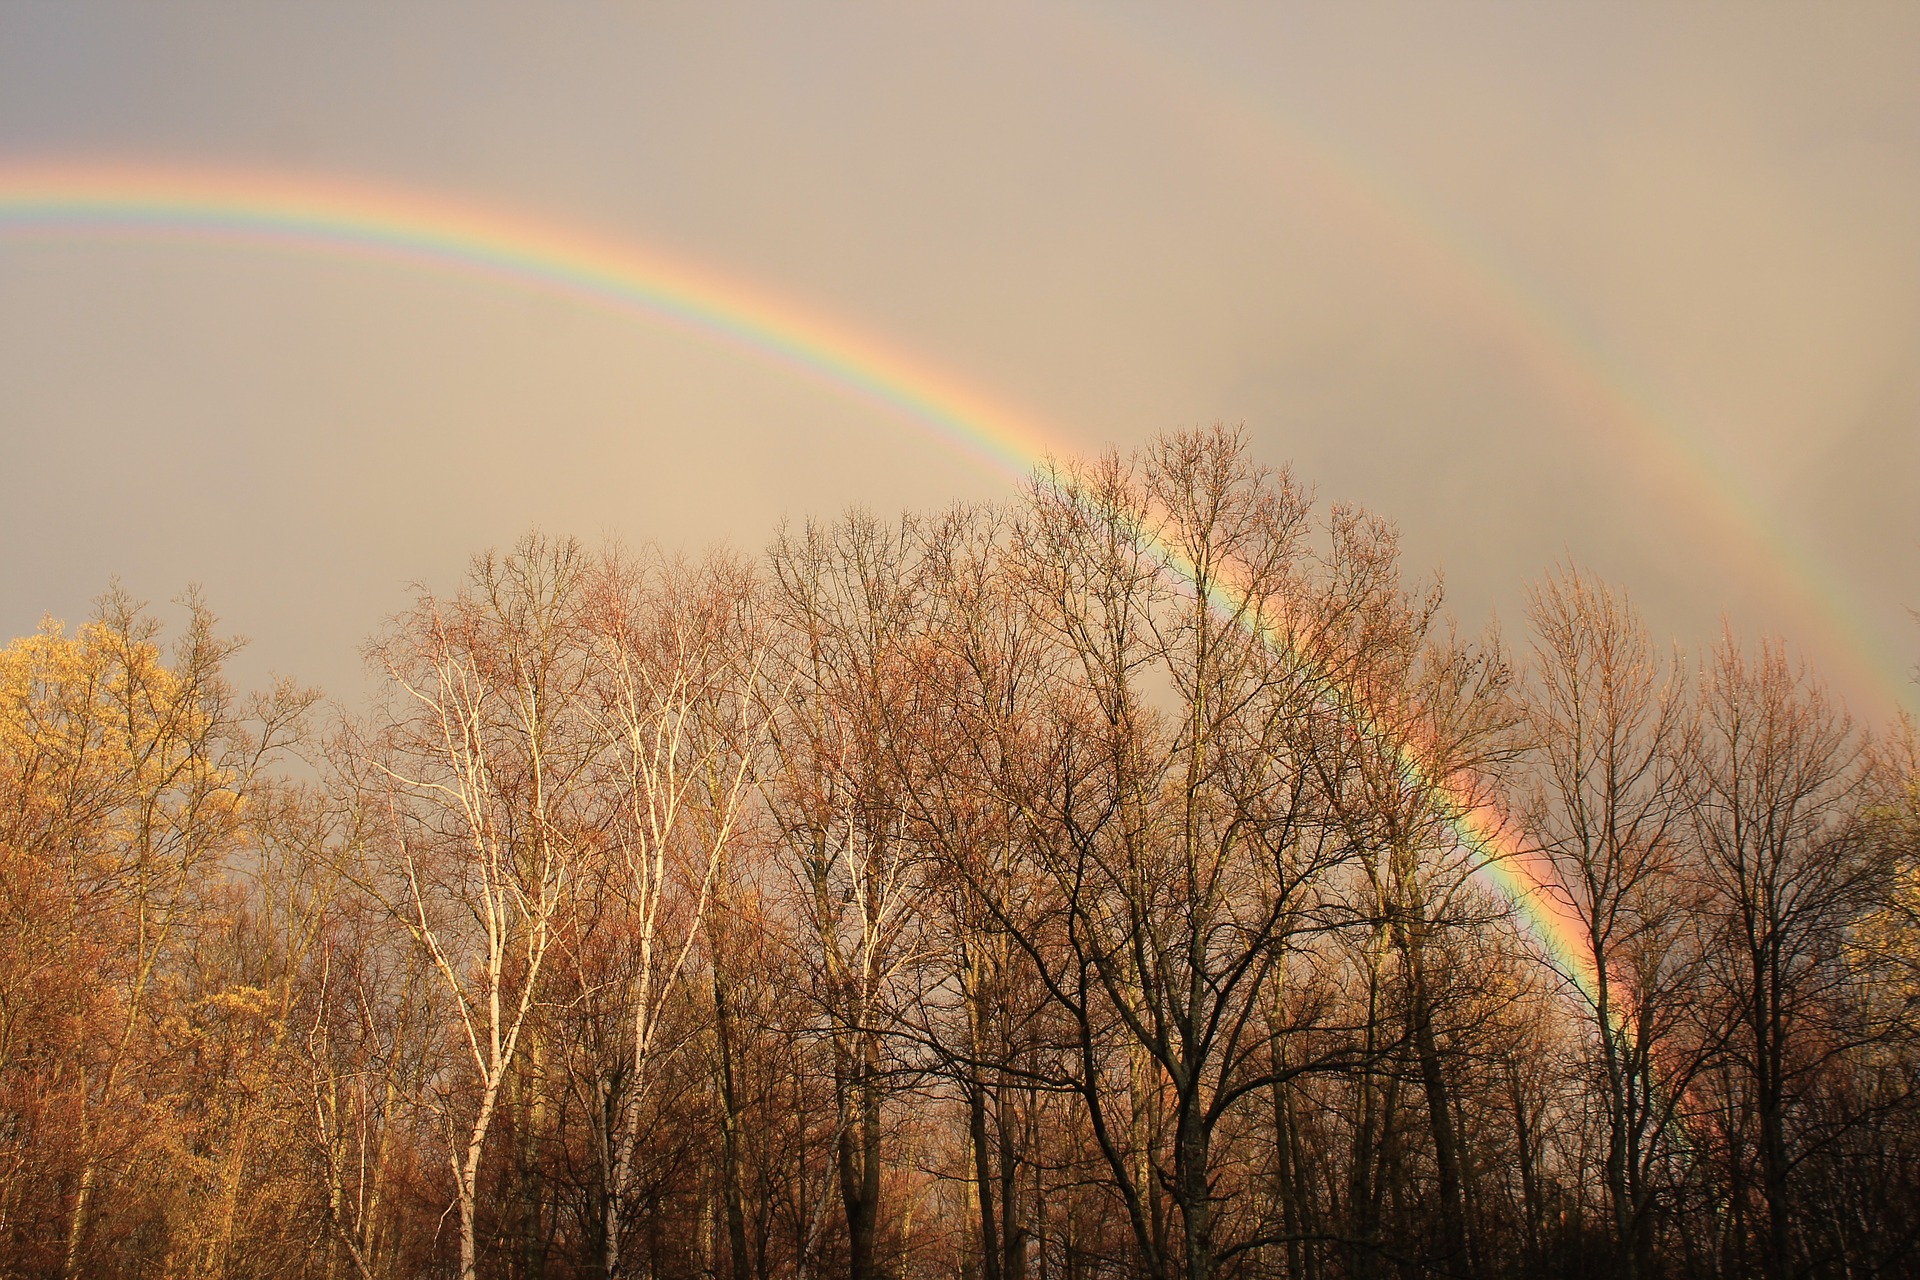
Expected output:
(1612, 728)
(482, 753)
(983, 678)
(1188, 845)
(842, 599)
(678, 699)
(1084, 887)
(1773, 784)
(1412, 765)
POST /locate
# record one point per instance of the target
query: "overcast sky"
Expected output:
(1634, 285)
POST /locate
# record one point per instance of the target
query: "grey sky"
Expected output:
(1418, 251)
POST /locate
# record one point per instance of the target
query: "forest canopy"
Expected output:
(1145, 878)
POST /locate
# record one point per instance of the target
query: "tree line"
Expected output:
(1095, 885)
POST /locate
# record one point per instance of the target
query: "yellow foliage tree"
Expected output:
(125, 775)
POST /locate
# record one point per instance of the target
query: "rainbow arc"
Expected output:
(304, 214)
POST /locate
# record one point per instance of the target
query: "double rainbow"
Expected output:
(334, 216)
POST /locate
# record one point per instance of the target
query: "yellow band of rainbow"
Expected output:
(338, 216)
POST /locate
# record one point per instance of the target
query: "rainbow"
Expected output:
(307, 214)
(1522, 873)
(1562, 352)
(349, 218)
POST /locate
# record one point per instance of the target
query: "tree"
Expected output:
(1612, 728)
(126, 777)
(480, 759)
(1085, 887)
(676, 700)
(1410, 761)
(983, 677)
(841, 601)
(1773, 785)
(1176, 815)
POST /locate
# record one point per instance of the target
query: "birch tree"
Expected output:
(482, 753)
(677, 702)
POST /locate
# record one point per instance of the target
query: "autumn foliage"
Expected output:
(1075, 888)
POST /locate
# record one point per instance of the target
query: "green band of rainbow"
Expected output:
(1523, 875)
(336, 216)
(340, 217)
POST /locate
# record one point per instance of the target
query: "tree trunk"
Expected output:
(990, 1255)
(859, 1159)
(1446, 1149)
(1191, 1166)
(82, 1206)
(739, 1267)
(1771, 1105)
(1013, 1236)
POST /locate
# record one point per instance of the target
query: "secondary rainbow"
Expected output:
(335, 216)
(1569, 360)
